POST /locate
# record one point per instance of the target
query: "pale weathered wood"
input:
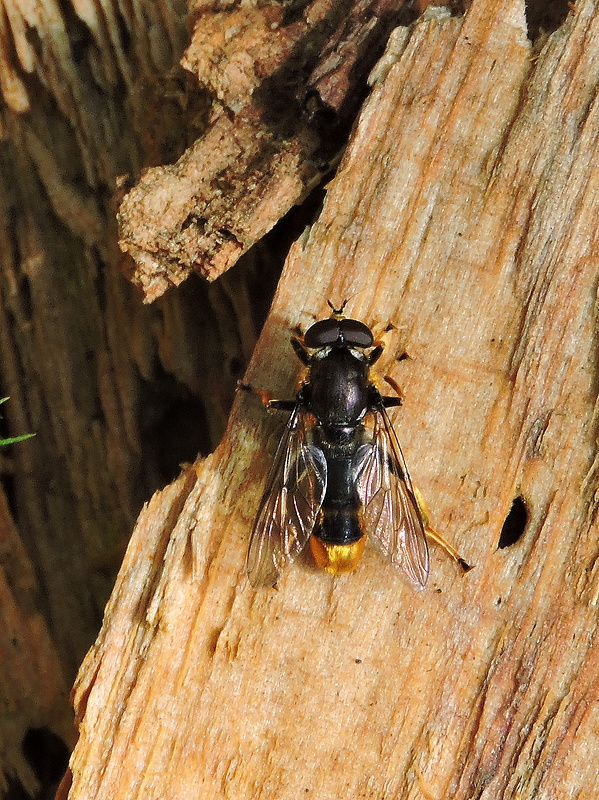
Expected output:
(464, 213)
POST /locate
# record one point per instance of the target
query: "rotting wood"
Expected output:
(84, 100)
(285, 88)
(464, 212)
(73, 351)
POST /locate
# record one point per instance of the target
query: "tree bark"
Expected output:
(87, 369)
(464, 214)
(29, 660)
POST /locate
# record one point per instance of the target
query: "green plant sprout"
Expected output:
(13, 439)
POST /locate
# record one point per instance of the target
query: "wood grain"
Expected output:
(464, 212)
(84, 100)
(284, 83)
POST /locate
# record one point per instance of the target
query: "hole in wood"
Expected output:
(514, 525)
(181, 433)
(545, 16)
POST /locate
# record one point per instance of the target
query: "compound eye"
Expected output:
(322, 334)
(356, 333)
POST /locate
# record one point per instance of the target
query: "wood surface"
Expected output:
(284, 84)
(464, 213)
(90, 93)
(29, 659)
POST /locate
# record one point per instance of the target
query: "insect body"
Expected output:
(338, 471)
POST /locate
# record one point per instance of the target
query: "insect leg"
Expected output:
(380, 344)
(377, 400)
(266, 397)
(282, 405)
(375, 354)
(433, 536)
(399, 466)
(300, 350)
(392, 401)
(444, 545)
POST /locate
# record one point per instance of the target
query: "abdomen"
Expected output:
(338, 541)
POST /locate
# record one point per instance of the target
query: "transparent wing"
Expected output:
(290, 504)
(390, 512)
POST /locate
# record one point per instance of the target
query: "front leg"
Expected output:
(380, 344)
(375, 354)
(300, 350)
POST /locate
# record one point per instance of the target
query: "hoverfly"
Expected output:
(338, 471)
